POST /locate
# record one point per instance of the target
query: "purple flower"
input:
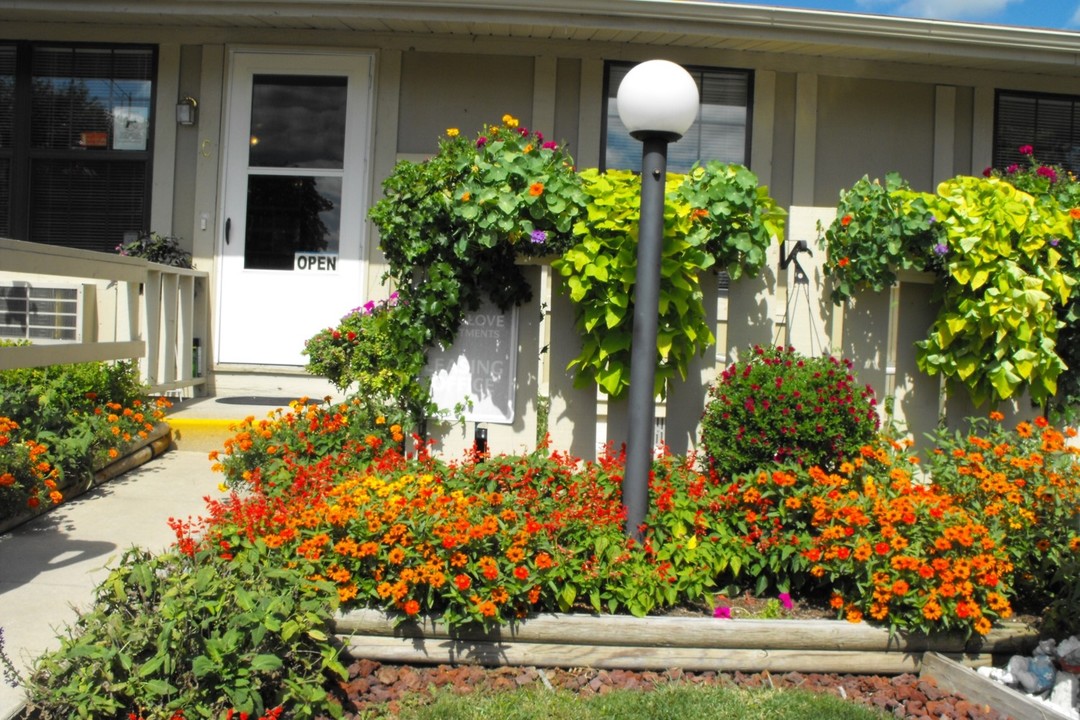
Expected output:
(931, 220)
(481, 141)
(538, 237)
(941, 249)
(723, 612)
(1054, 242)
(785, 601)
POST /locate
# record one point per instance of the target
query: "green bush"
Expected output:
(81, 412)
(219, 630)
(778, 406)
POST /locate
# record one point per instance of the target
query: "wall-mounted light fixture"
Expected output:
(186, 111)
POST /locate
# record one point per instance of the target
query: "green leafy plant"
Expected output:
(1007, 260)
(202, 634)
(452, 227)
(368, 350)
(879, 230)
(714, 217)
(163, 249)
(777, 406)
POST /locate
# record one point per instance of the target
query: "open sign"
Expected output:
(315, 262)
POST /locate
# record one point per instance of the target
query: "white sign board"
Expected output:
(480, 368)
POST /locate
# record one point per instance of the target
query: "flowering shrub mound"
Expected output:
(778, 406)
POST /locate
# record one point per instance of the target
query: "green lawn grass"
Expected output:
(673, 702)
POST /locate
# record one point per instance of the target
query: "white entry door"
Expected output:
(292, 242)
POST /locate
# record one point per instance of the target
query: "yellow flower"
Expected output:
(510, 121)
(452, 132)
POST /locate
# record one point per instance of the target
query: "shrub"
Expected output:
(221, 629)
(60, 423)
(368, 349)
(778, 406)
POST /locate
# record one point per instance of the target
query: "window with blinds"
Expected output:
(1048, 123)
(721, 131)
(75, 143)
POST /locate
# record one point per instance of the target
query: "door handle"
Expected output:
(228, 226)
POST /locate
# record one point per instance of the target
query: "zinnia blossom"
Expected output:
(1074, 213)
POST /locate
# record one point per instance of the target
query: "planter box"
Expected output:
(659, 643)
(155, 443)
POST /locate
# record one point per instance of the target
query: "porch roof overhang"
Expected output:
(656, 23)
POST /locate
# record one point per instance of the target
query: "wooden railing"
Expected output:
(156, 315)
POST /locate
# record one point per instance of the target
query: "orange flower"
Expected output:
(846, 220)
(7, 480)
(1074, 213)
(462, 582)
(536, 189)
(411, 607)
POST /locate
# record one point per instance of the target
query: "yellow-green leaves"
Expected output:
(716, 216)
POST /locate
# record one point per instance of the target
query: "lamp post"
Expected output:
(658, 102)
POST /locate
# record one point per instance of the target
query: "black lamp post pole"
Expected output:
(642, 400)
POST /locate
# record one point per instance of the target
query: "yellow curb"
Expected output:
(204, 434)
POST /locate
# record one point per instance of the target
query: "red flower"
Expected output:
(846, 220)
(463, 582)
(411, 607)
(843, 262)
(1026, 150)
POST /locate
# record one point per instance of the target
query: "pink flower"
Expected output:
(785, 601)
(1012, 169)
(1026, 150)
(481, 141)
(723, 612)
(988, 171)
(1048, 173)
(549, 145)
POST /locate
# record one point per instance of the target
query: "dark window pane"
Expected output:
(719, 133)
(1049, 123)
(82, 97)
(298, 121)
(86, 203)
(287, 215)
(7, 95)
(5, 195)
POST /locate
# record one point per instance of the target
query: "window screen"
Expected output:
(1048, 123)
(721, 131)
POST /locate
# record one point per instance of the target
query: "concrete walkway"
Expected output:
(50, 566)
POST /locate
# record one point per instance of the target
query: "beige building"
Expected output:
(259, 132)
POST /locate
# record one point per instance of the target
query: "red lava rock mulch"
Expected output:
(375, 685)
